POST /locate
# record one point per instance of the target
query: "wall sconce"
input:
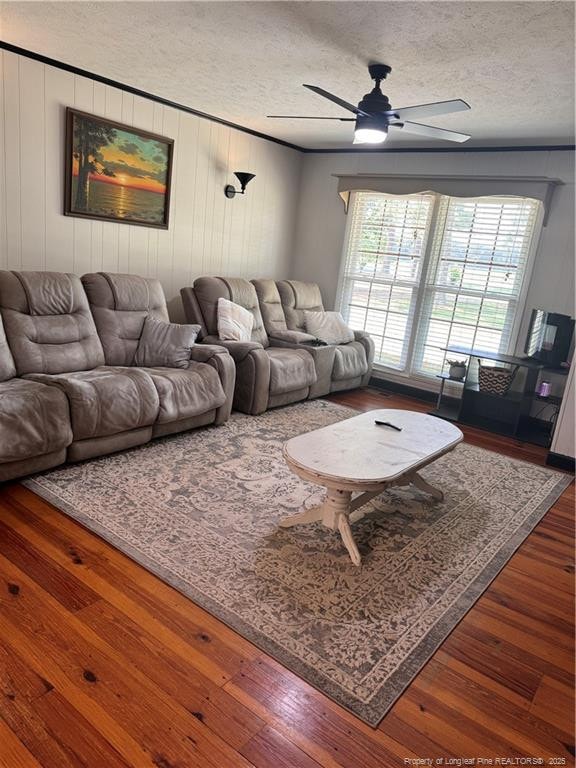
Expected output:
(243, 178)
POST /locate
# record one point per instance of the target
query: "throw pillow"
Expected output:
(328, 327)
(234, 322)
(165, 344)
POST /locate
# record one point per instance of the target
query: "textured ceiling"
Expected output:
(513, 62)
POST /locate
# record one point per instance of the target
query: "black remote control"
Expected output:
(387, 424)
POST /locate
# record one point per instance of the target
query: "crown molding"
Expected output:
(138, 92)
(435, 150)
(4, 45)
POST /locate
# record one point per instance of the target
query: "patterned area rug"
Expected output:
(201, 510)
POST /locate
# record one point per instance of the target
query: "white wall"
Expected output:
(564, 438)
(249, 236)
(322, 221)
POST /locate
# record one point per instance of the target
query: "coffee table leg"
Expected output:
(336, 512)
(422, 485)
(348, 539)
(311, 515)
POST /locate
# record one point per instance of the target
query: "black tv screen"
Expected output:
(549, 337)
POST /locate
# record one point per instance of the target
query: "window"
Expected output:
(386, 245)
(426, 271)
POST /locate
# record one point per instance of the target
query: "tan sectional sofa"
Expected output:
(68, 388)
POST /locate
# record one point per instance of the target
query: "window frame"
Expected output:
(409, 371)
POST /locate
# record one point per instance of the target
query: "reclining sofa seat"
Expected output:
(187, 398)
(352, 361)
(280, 335)
(266, 376)
(34, 421)
(54, 342)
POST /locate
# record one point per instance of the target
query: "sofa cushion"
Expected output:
(34, 420)
(350, 361)
(297, 297)
(186, 393)
(208, 290)
(329, 327)
(234, 322)
(48, 323)
(106, 400)
(290, 369)
(270, 306)
(165, 344)
(120, 304)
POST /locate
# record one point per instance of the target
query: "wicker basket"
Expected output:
(494, 379)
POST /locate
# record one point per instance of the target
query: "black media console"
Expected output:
(510, 414)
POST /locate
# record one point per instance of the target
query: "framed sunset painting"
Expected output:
(115, 172)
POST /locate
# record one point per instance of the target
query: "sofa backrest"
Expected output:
(120, 305)
(297, 298)
(270, 306)
(7, 367)
(48, 323)
(207, 291)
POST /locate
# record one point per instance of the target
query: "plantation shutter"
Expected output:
(478, 265)
(383, 258)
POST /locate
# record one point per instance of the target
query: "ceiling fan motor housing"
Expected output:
(375, 101)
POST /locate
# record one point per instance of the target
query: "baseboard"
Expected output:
(561, 462)
(385, 385)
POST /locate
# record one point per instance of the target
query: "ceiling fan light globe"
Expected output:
(369, 136)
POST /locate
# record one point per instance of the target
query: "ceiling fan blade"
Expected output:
(313, 117)
(431, 132)
(430, 110)
(335, 99)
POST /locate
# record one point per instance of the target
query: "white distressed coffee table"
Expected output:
(355, 460)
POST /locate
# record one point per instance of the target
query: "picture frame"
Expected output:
(115, 172)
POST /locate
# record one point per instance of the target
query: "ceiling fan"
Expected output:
(375, 116)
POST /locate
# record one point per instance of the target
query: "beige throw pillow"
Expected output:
(328, 327)
(234, 322)
(165, 344)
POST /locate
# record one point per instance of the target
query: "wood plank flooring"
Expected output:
(103, 665)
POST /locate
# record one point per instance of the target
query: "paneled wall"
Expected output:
(251, 235)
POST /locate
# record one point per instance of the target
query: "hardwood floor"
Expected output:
(103, 665)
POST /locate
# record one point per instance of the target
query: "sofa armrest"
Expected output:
(238, 349)
(368, 343)
(219, 359)
(252, 374)
(292, 337)
(201, 353)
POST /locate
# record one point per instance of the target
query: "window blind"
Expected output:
(476, 271)
(382, 269)
(424, 271)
